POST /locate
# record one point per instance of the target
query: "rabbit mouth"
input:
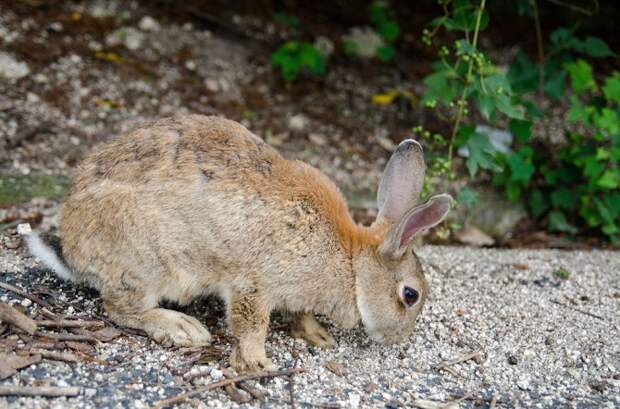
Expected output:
(386, 336)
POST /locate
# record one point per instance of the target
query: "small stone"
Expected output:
(370, 387)
(26, 303)
(298, 122)
(317, 139)
(512, 360)
(335, 368)
(24, 229)
(386, 143)
(216, 374)
(212, 85)
(148, 23)
(354, 400)
(32, 97)
(473, 236)
(190, 65)
(599, 386)
(10, 68)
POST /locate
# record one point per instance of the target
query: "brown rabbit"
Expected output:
(195, 205)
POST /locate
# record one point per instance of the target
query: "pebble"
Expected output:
(148, 23)
(298, 122)
(10, 68)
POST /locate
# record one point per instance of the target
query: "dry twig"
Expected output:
(51, 391)
(56, 356)
(24, 294)
(12, 316)
(219, 384)
(579, 310)
(65, 337)
(70, 323)
(445, 365)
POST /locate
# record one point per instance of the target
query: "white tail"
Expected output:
(47, 255)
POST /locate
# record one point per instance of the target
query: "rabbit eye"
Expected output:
(410, 296)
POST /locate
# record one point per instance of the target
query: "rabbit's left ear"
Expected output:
(416, 220)
(402, 181)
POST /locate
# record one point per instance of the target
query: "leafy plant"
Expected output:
(295, 56)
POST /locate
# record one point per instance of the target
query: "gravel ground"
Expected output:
(542, 341)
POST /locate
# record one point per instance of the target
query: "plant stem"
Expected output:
(461, 102)
(541, 51)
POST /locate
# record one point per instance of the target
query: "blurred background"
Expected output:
(516, 103)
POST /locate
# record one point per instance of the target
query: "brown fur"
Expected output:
(193, 205)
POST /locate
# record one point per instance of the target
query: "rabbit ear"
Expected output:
(416, 220)
(402, 181)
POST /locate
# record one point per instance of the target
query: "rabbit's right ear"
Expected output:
(402, 181)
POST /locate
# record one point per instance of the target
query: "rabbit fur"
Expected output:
(194, 205)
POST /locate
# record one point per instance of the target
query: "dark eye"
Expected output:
(410, 296)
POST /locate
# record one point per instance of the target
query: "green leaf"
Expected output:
(513, 191)
(608, 120)
(438, 88)
(577, 112)
(523, 74)
(538, 204)
(554, 86)
(611, 89)
(595, 47)
(610, 179)
(467, 197)
(581, 76)
(481, 153)
(562, 198)
(520, 169)
(521, 128)
(389, 30)
(505, 105)
(464, 16)
(558, 222)
(385, 53)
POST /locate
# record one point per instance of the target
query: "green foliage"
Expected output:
(562, 273)
(295, 56)
(286, 19)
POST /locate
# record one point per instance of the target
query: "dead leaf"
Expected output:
(106, 334)
(473, 236)
(521, 266)
(81, 347)
(335, 367)
(11, 363)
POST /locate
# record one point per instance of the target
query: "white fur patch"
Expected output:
(47, 256)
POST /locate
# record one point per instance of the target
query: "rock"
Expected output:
(212, 85)
(10, 68)
(216, 374)
(317, 139)
(298, 122)
(148, 23)
(386, 143)
(512, 360)
(336, 368)
(324, 45)
(495, 215)
(473, 236)
(130, 37)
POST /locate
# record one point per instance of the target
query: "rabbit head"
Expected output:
(390, 285)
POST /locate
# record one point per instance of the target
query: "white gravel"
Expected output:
(543, 341)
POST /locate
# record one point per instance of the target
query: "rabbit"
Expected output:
(193, 205)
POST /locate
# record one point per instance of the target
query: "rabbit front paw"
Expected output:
(307, 327)
(172, 328)
(244, 360)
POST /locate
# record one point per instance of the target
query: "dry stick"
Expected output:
(493, 402)
(258, 375)
(541, 51)
(14, 317)
(579, 310)
(31, 297)
(578, 9)
(51, 391)
(66, 337)
(56, 356)
(256, 394)
(291, 385)
(463, 358)
(70, 323)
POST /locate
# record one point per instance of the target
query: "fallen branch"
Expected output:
(66, 337)
(56, 356)
(70, 323)
(51, 391)
(12, 316)
(579, 310)
(445, 365)
(31, 297)
(256, 393)
(219, 384)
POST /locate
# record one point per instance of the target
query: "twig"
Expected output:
(445, 365)
(14, 317)
(31, 297)
(578, 9)
(291, 384)
(579, 310)
(493, 402)
(66, 337)
(258, 375)
(56, 356)
(256, 393)
(541, 51)
(51, 391)
(9, 225)
(70, 323)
